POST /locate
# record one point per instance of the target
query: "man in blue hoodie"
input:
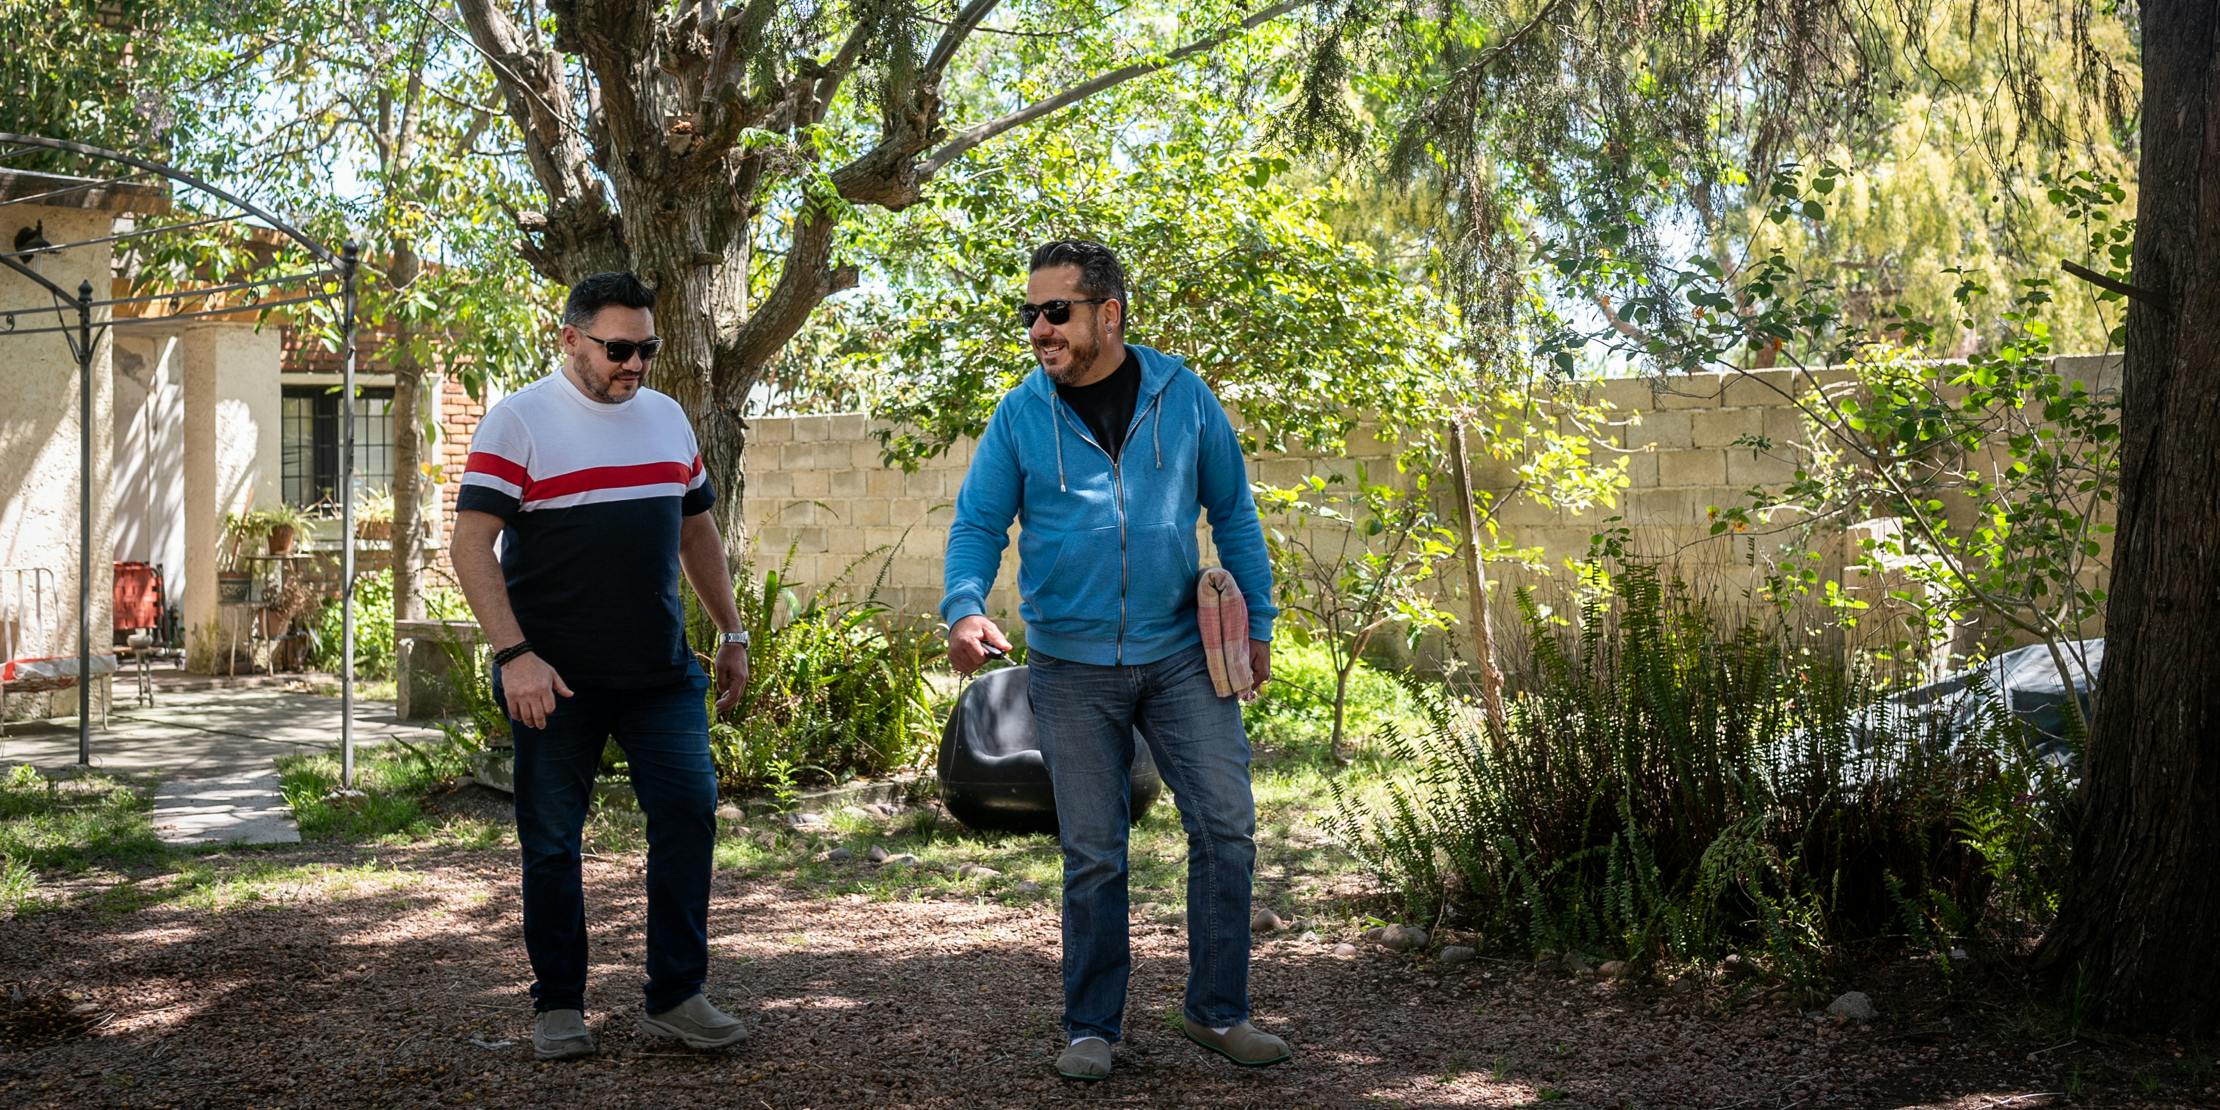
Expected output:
(1106, 456)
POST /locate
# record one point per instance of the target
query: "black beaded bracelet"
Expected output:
(505, 655)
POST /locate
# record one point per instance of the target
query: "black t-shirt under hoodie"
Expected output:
(1106, 407)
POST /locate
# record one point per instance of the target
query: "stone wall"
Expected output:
(816, 487)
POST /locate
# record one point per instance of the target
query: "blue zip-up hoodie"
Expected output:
(1107, 558)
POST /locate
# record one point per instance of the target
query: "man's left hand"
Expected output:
(1260, 667)
(732, 675)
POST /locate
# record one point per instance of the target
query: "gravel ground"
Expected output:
(359, 977)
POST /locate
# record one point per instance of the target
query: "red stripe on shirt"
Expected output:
(486, 462)
(610, 477)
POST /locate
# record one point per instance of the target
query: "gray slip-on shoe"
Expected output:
(1244, 1044)
(697, 1024)
(561, 1035)
(1088, 1060)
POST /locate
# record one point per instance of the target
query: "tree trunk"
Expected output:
(2137, 939)
(701, 299)
(408, 452)
(407, 540)
(1483, 636)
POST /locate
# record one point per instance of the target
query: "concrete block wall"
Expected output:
(1690, 444)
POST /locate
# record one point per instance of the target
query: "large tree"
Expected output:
(2138, 934)
(716, 150)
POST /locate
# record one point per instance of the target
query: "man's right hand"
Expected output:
(969, 640)
(530, 686)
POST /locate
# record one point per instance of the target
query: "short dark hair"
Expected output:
(599, 291)
(1099, 272)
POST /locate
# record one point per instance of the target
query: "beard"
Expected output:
(1081, 354)
(612, 387)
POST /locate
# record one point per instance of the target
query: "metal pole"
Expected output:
(84, 522)
(350, 258)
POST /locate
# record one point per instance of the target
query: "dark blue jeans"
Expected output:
(1085, 716)
(665, 736)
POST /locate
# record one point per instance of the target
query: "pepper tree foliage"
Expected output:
(1623, 131)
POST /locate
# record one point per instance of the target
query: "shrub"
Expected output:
(1669, 791)
(1296, 711)
(374, 646)
(833, 691)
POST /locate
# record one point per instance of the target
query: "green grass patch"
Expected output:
(398, 783)
(221, 885)
(1300, 871)
(66, 826)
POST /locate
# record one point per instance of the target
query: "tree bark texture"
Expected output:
(2137, 941)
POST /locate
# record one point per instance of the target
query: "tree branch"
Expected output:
(806, 279)
(952, 38)
(2112, 284)
(971, 137)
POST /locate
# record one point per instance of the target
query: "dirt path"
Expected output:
(390, 978)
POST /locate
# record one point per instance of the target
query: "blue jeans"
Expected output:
(665, 736)
(1085, 716)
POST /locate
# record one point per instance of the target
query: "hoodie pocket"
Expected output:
(1074, 591)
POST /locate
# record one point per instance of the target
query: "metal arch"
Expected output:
(181, 177)
(346, 265)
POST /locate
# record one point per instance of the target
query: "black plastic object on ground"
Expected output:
(2024, 682)
(991, 774)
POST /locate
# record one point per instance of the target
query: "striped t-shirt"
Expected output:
(593, 495)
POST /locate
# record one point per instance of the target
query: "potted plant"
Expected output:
(282, 524)
(374, 515)
(233, 583)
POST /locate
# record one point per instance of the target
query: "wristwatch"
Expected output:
(727, 638)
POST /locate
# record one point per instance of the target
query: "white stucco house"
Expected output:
(191, 420)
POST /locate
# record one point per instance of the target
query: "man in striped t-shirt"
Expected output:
(594, 487)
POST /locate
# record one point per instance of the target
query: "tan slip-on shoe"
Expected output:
(1087, 1061)
(1244, 1044)
(696, 1024)
(561, 1035)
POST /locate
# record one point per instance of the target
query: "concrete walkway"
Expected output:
(212, 748)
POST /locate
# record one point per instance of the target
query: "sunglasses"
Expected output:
(1058, 312)
(622, 350)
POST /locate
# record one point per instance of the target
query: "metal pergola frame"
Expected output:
(344, 266)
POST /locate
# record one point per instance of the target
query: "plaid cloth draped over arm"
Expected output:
(1225, 632)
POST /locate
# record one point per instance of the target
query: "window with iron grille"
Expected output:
(308, 440)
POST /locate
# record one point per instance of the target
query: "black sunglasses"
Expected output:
(1058, 312)
(622, 350)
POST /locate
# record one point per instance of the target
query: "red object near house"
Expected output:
(138, 596)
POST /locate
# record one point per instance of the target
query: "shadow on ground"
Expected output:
(351, 976)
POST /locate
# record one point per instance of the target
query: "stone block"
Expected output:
(811, 429)
(1721, 427)
(1760, 468)
(1670, 507)
(1642, 470)
(848, 427)
(1759, 388)
(1668, 430)
(770, 430)
(771, 482)
(848, 483)
(1690, 391)
(865, 512)
(1702, 468)
(810, 484)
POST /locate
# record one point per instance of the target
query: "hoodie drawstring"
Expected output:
(1158, 405)
(1057, 419)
